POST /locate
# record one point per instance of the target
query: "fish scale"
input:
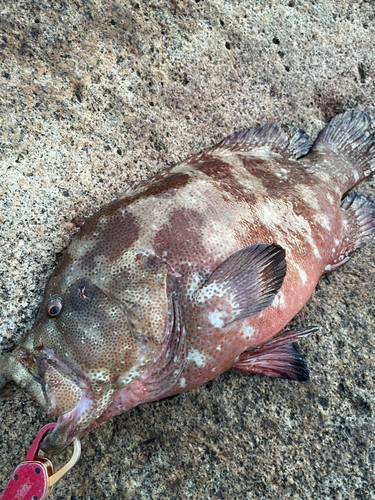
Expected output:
(197, 271)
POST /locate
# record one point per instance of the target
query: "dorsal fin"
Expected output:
(350, 135)
(273, 137)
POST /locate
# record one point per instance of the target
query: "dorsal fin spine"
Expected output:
(350, 138)
(282, 139)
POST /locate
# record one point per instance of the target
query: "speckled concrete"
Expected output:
(98, 95)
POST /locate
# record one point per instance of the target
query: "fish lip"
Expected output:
(26, 358)
(64, 366)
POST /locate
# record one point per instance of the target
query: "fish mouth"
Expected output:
(58, 388)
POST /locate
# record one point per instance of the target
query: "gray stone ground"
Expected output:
(97, 95)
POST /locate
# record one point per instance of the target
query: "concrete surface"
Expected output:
(98, 95)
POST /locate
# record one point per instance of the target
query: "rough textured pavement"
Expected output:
(98, 95)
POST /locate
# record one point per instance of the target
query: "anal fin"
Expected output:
(359, 211)
(277, 357)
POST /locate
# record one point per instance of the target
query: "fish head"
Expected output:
(92, 337)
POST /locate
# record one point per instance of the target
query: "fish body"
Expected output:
(195, 272)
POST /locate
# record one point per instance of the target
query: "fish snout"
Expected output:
(13, 369)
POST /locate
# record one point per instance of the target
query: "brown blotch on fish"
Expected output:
(119, 231)
(178, 246)
(163, 187)
(222, 173)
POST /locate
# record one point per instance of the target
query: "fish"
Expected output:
(197, 271)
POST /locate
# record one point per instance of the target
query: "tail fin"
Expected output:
(349, 136)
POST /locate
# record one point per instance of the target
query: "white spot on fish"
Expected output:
(323, 220)
(211, 290)
(279, 300)
(240, 173)
(248, 332)
(313, 246)
(282, 220)
(183, 382)
(308, 195)
(330, 198)
(302, 274)
(216, 318)
(323, 177)
(316, 253)
(198, 358)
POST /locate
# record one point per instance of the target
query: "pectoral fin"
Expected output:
(244, 284)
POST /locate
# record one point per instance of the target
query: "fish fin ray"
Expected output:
(349, 134)
(277, 357)
(244, 284)
(359, 212)
(274, 137)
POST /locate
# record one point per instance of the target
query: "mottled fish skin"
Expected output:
(144, 329)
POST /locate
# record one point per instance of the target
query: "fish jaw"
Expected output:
(69, 425)
(51, 385)
(91, 411)
(60, 390)
(70, 394)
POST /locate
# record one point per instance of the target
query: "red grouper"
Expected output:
(195, 272)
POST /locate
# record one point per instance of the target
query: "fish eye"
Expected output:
(54, 307)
